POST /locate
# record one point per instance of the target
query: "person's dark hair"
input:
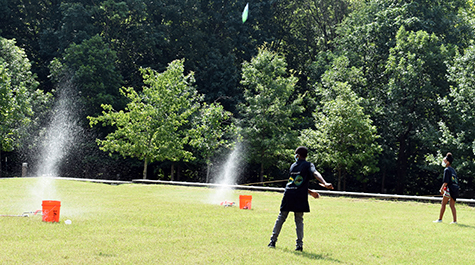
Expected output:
(302, 151)
(449, 157)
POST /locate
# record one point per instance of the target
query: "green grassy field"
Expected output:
(159, 224)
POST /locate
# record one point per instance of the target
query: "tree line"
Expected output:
(378, 90)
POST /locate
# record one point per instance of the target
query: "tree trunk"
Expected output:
(208, 166)
(383, 179)
(145, 163)
(339, 179)
(344, 181)
(172, 172)
(0, 162)
(401, 165)
(178, 172)
(262, 173)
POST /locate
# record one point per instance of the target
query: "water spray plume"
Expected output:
(60, 133)
(57, 139)
(227, 175)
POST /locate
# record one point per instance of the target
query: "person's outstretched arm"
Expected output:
(325, 184)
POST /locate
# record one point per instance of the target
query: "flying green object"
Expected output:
(245, 13)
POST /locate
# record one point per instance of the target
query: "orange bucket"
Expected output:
(245, 201)
(51, 211)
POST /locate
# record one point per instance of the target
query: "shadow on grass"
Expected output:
(310, 255)
(466, 226)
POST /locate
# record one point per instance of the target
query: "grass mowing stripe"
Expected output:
(158, 224)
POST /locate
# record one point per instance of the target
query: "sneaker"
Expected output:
(299, 248)
(271, 244)
(453, 223)
(438, 221)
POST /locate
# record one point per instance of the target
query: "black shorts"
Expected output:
(454, 192)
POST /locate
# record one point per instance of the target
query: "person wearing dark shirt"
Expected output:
(449, 189)
(295, 197)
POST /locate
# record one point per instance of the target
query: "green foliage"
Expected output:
(310, 26)
(151, 127)
(395, 61)
(401, 48)
(457, 124)
(268, 109)
(414, 84)
(17, 92)
(306, 31)
(459, 105)
(91, 65)
(76, 25)
(209, 128)
(19, 97)
(368, 34)
(344, 138)
(5, 109)
(416, 72)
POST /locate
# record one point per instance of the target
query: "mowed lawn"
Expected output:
(161, 224)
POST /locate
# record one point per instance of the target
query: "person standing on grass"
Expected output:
(449, 189)
(296, 196)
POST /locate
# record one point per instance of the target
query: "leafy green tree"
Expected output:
(305, 34)
(209, 33)
(369, 32)
(412, 93)
(456, 126)
(130, 28)
(18, 93)
(208, 131)
(214, 41)
(6, 110)
(344, 139)
(91, 65)
(268, 109)
(74, 25)
(26, 22)
(367, 36)
(309, 26)
(150, 127)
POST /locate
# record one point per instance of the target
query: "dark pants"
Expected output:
(298, 225)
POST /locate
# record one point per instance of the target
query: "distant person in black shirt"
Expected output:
(449, 189)
(296, 195)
